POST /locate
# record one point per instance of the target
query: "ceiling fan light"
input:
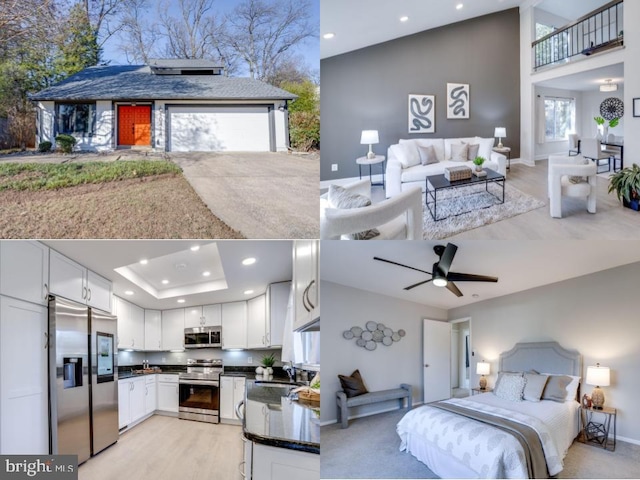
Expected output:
(440, 282)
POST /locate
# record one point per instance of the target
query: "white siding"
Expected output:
(47, 114)
(281, 132)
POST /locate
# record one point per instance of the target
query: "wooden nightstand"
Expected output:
(594, 432)
(477, 390)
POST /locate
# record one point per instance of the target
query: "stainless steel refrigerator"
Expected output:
(83, 379)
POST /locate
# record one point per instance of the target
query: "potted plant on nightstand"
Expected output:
(626, 183)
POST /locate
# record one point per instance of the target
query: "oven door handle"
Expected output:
(240, 406)
(199, 382)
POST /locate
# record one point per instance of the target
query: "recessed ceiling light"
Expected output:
(404, 19)
(459, 6)
(128, 292)
(249, 261)
(164, 282)
(181, 300)
(206, 274)
(195, 248)
(248, 292)
(144, 261)
(328, 36)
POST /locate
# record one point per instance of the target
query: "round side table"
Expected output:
(372, 161)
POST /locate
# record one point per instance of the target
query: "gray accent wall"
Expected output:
(368, 89)
(595, 314)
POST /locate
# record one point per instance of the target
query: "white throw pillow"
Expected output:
(407, 154)
(511, 387)
(486, 146)
(459, 152)
(436, 143)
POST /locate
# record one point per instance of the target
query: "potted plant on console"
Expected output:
(626, 183)
(478, 161)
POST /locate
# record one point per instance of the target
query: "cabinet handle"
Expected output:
(46, 291)
(159, 344)
(146, 391)
(268, 342)
(238, 406)
(304, 299)
(131, 387)
(263, 342)
(133, 341)
(46, 340)
(88, 294)
(241, 470)
(311, 305)
(84, 292)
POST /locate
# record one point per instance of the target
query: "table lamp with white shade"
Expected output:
(599, 377)
(369, 137)
(483, 368)
(500, 132)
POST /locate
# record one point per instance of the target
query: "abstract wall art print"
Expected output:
(422, 113)
(457, 100)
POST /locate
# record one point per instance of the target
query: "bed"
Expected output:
(485, 436)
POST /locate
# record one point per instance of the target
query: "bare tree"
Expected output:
(264, 33)
(21, 19)
(138, 37)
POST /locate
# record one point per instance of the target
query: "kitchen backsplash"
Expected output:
(239, 358)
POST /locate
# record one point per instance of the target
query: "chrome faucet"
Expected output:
(291, 371)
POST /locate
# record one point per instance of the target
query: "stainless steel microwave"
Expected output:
(203, 337)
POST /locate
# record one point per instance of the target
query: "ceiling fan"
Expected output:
(440, 274)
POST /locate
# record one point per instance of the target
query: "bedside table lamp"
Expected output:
(501, 132)
(598, 376)
(369, 137)
(483, 368)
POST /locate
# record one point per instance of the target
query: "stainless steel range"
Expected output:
(200, 390)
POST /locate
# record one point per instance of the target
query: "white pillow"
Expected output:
(407, 154)
(459, 152)
(486, 146)
(572, 388)
(511, 387)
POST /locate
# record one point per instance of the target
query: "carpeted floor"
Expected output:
(369, 449)
(478, 209)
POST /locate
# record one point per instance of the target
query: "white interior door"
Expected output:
(436, 354)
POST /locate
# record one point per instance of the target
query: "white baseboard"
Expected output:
(324, 184)
(368, 414)
(628, 440)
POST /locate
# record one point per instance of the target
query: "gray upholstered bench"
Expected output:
(368, 398)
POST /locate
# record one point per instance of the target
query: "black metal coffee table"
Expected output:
(436, 183)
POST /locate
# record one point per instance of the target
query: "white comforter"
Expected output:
(435, 436)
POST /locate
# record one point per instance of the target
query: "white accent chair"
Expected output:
(561, 169)
(398, 218)
(574, 144)
(592, 148)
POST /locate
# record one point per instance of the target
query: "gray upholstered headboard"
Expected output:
(547, 357)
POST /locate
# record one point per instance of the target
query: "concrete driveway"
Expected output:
(263, 195)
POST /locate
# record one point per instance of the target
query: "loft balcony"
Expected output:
(596, 32)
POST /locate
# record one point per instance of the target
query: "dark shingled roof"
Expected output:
(136, 82)
(182, 63)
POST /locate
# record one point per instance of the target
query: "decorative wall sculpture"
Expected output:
(457, 100)
(373, 334)
(422, 113)
(611, 108)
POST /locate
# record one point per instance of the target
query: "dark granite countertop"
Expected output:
(129, 371)
(271, 418)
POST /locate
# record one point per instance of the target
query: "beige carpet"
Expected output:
(369, 448)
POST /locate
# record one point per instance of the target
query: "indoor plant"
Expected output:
(478, 161)
(626, 183)
(267, 362)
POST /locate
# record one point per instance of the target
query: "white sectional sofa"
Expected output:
(404, 169)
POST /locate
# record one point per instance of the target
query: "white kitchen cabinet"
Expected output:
(231, 393)
(305, 284)
(277, 303)
(245, 466)
(130, 325)
(150, 394)
(152, 330)
(131, 400)
(212, 315)
(274, 463)
(24, 396)
(168, 394)
(24, 270)
(173, 329)
(257, 322)
(193, 317)
(71, 280)
(234, 325)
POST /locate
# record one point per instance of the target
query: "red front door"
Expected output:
(134, 125)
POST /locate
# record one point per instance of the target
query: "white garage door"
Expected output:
(217, 129)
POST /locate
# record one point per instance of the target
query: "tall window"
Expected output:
(76, 118)
(560, 116)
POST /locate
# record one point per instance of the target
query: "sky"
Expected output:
(310, 50)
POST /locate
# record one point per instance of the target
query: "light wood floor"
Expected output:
(168, 448)
(612, 220)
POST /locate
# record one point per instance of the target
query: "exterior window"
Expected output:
(76, 118)
(560, 116)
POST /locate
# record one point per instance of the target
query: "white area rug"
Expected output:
(480, 206)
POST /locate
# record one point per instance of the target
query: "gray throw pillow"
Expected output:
(341, 198)
(535, 386)
(556, 388)
(427, 155)
(459, 152)
(352, 385)
(473, 151)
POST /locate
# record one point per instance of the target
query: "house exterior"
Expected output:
(168, 105)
